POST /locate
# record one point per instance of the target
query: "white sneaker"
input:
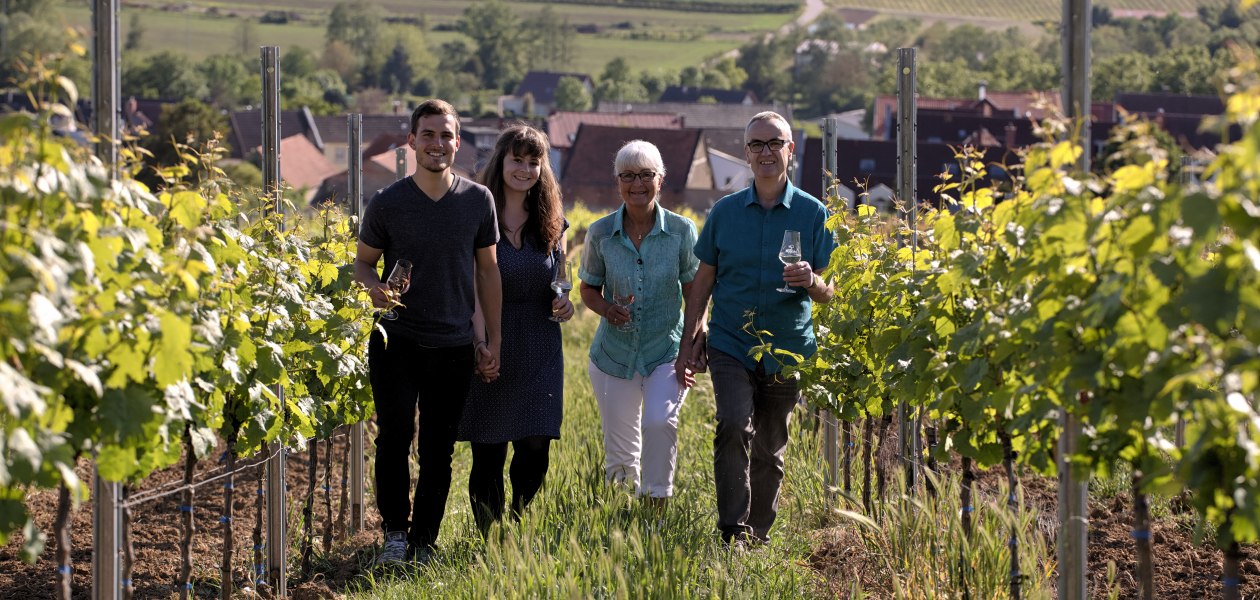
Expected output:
(394, 550)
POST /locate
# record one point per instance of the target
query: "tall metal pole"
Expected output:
(1073, 491)
(354, 189)
(277, 541)
(106, 510)
(831, 435)
(400, 161)
(907, 174)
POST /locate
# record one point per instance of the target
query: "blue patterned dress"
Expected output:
(528, 397)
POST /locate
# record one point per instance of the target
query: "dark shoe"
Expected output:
(420, 555)
(394, 550)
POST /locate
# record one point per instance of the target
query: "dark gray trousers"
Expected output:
(753, 410)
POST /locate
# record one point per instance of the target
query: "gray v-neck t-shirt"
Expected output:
(440, 238)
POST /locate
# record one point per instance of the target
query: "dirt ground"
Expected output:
(1182, 569)
(157, 533)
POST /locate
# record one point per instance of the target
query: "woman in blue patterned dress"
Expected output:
(520, 401)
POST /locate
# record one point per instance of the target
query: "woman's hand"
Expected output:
(692, 359)
(617, 315)
(562, 308)
(487, 365)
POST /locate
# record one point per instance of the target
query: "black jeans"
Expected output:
(485, 482)
(753, 410)
(407, 377)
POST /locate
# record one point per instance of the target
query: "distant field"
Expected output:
(676, 38)
(1013, 10)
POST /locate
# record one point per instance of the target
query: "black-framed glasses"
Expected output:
(629, 177)
(775, 145)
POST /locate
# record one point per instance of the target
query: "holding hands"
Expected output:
(693, 358)
(487, 361)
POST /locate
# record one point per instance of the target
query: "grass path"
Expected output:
(583, 539)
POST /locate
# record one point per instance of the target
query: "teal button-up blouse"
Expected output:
(658, 268)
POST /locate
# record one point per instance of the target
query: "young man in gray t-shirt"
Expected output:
(446, 226)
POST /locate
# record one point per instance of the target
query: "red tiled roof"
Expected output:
(302, 165)
(562, 127)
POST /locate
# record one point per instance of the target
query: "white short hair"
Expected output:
(638, 154)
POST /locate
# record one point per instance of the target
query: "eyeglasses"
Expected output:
(775, 145)
(629, 177)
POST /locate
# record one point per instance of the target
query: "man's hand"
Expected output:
(798, 274)
(380, 296)
(692, 359)
(487, 363)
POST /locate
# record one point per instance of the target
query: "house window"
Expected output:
(866, 165)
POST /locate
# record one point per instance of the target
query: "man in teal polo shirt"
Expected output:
(741, 270)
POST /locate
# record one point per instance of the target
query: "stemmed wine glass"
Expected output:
(398, 283)
(789, 252)
(623, 296)
(562, 282)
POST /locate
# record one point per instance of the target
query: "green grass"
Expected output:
(689, 37)
(583, 538)
(1015, 10)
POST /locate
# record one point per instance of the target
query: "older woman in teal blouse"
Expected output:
(637, 267)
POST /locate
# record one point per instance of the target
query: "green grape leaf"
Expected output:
(173, 360)
(115, 463)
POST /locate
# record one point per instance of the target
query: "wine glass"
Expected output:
(562, 282)
(623, 296)
(398, 283)
(789, 252)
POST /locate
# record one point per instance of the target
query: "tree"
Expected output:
(616, 83)
(23, 35)
(297, 61)
(571, 95)
(654, 83)
(731, 70)
(549, 38)
(496, 32)
(396, 73)
(227, 80)
(135, 32)
(355, 23)
(766, 63)
(1130, 72)
(246, 37)
(190, 122)
(1020, 68)
(339, 57)
(163, 75)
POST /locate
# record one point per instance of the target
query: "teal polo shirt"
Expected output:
(659, 267)
(741, 241)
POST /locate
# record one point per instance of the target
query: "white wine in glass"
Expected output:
(562, 282)
(789, 252)
(623, 296)
(398, 283)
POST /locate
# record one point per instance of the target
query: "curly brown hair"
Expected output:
(545, 220)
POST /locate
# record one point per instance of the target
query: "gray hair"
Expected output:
(768, 115)
(639, 154)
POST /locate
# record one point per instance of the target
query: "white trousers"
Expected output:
(640, 421)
